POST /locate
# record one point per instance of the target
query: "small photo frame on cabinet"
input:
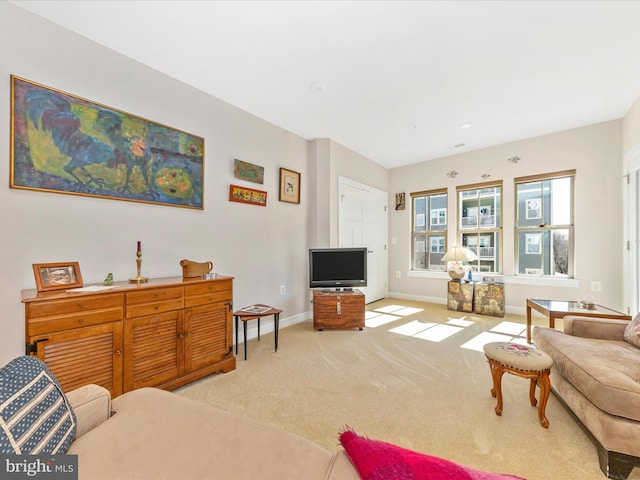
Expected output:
(289, 186)
(57, 276)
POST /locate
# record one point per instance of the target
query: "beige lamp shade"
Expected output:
(457, 255)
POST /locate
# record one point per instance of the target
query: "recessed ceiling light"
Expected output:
(318, 87)
(466, 125)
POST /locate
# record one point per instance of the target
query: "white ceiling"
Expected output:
(391, 80)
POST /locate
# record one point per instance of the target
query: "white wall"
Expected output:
(263, 247)
(631, 128)
(328, 161)
(594, 151)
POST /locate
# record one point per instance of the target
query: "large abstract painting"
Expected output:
(66, 144)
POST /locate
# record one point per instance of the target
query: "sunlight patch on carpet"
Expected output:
(405, 312)
(411, 328)
(438, 333)
(378, 320)
(478, 342)
(399, 310)
(460, 322)
(510, 328)
(434, 332)
(389, 308)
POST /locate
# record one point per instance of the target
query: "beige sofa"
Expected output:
(154, 434)
(597, 375)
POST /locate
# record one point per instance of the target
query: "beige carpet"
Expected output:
(425, 395)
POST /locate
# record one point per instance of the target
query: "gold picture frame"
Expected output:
(57, 276)
(62, 143)
(289, 186)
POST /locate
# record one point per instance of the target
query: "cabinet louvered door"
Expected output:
(84, 355)
(155, 349)
(208, 334)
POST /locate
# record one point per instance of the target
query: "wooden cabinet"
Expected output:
(164, 333)
(338, 309)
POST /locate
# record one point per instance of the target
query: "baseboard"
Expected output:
(443, 301)
(417, 298)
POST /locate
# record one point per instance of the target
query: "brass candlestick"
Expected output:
(138, 278)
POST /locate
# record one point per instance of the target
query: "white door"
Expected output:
(631, 265)
(362, 220)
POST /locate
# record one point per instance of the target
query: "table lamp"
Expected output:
(457, 255)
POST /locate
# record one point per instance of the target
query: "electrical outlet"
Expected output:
(283, 290)
(596, 286)
(398, 274)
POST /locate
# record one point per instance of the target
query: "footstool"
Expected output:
(523, 361)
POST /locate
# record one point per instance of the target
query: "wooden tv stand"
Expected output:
(338, 309)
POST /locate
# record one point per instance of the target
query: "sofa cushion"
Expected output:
(377, 460)
(632, 332)
(606, 372)
(156, 434)
(35, 416)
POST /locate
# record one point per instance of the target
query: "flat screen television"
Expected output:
(337, 267)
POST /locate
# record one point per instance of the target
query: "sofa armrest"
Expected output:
(591, 327)
(92, 406)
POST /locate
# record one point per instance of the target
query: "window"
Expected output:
(533, 243)
(439, 216)
(480, 226)
(544, 224)
(429, 239)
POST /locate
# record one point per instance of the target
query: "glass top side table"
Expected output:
(562, 308)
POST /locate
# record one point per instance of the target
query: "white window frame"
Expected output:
(536, 212)
(479, 230)
(432, 245)
(533, 243)
(539, 227)
(439, 215)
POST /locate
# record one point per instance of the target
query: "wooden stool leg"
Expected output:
(532, 392)
(545, 388)
(496, 391)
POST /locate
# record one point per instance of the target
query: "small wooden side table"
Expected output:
(256, 312)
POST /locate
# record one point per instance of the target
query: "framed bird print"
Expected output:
(289, 186)
(62, 143)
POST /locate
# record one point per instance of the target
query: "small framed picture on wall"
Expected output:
(289, 186)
